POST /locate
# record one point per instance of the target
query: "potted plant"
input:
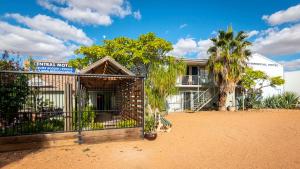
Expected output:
(150, 128)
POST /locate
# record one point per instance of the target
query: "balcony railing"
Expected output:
(194, 80)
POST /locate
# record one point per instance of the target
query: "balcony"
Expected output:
(193, 80)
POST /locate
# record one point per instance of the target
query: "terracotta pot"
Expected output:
(150, 136)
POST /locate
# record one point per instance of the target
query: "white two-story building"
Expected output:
(196, 90)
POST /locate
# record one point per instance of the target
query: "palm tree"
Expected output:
(227, 61)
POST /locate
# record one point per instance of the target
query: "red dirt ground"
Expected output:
(251, 139)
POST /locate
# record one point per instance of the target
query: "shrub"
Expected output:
(13, 93)
(88, 116)
(291, 100)
(287, 100)
(149, 124)
(126, 123)
(13, 88)
(40, 126)
(272, 102)
(254, 100)
(97, 125)
(49, 125)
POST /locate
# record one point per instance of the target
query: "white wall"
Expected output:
(271, 68)
(292, 81)
(174, 103)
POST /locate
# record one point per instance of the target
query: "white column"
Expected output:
(192, 99)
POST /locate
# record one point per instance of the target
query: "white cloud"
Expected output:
(54, 27)
(183, 26)
(252, 33)
(184, 46)
(204, 45)
(137, 15)
(291, 65)
(33, 42)
(276, 42)
(97, 12)
(188, 46)
(292, 14)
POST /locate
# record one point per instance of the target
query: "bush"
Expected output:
(88, 116)
(149, 124)
(272, 102)
(49, 125)
(287, 100)
(13, 88)
(291, 100)
(254, 100)
(40, 126)
(126, 123)
(13, 93)
(97, 125)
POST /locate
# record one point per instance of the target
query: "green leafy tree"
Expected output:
(147, 55)
(136, 54)
(13, 88)
(161, 82)
(227, 61)
(253, 81)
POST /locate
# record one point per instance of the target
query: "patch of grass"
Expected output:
(126, 123)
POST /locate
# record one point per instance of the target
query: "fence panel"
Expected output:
(35, 103)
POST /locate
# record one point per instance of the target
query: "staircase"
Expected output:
(203, 99)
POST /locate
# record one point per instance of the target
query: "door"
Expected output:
(194, 75)
(194, 70)
(186, 100)
(100, 102)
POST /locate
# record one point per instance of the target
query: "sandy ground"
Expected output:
(255, 139)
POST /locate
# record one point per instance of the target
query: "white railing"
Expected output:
(204, 98)
(193, 80)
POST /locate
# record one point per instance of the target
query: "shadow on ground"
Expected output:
(19, 150)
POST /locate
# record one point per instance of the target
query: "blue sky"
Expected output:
(52, 29)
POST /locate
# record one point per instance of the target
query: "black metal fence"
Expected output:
(32, 103)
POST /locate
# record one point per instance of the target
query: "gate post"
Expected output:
(68, 107)
(79, 111)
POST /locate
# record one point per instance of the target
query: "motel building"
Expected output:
(197, 90)
(104, 101)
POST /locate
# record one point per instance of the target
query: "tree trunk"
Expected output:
(225, 89)
(222, 101)
(223, 96)
(231, 89)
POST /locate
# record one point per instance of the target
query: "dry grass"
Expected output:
(254, 139)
